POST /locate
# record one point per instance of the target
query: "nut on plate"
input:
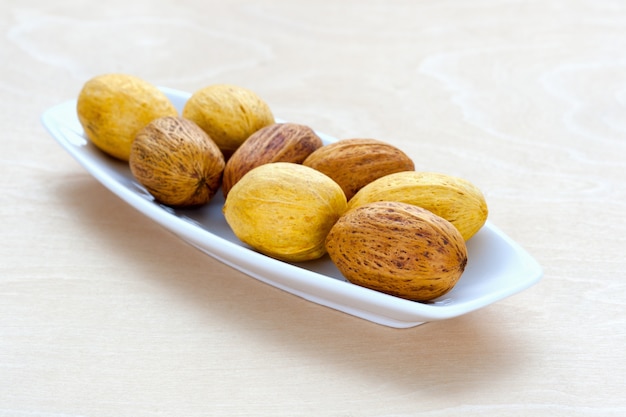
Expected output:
(284, 210)
(353, 163)
(112, 108)
(177, 162)
(278, 142)
(398, 249)
(455, 199)
(228, 113)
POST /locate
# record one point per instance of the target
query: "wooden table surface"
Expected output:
(105, 313)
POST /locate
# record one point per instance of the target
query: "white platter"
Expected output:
(497, 267)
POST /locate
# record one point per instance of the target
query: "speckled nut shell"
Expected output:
(398, 249)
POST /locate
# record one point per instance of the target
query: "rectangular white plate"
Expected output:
(497, 266)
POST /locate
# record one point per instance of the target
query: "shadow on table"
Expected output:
(457, 354)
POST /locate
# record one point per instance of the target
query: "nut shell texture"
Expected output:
(177, 162)
(228, 113)
(455, 199)
(284, 210)
(399, 249)
(113, 108)
(279, 142)
(353, 163)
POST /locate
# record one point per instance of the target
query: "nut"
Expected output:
(177, 162)
(455, 199)
(399, 249)
(284, 210)
(353, 163)
(112, 108)
(279, 142)
(228, 113)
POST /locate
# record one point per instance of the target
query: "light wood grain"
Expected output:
(103, 313)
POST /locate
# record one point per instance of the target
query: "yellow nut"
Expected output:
(455, 199)
(284, 210)
(228, 113)
(112, 108)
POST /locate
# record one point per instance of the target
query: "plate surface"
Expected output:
(497, 267)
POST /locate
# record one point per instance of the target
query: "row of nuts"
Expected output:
(288, 195)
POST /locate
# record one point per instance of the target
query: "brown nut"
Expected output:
(279, 142)
(399, 249)
(177, 162)
(354, 163)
